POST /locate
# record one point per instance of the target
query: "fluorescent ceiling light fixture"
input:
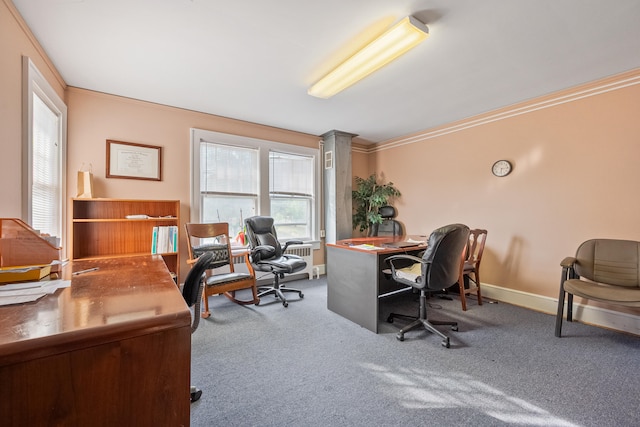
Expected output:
(396, 41)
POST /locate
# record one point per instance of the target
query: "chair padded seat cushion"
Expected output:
(219, 279)
(412, 273)
(605, 293)
(283, 264)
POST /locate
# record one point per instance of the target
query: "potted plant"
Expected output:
(368, 197)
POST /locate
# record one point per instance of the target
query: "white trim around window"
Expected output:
(263, 148)
(47, 181)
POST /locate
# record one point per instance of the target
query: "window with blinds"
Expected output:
(228, 184)
(238, 177)
(46, 214)
(291, 193)
(45, 160)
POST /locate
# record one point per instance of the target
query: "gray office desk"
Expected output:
(355, 282)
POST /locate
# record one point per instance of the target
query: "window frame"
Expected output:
(34, 83)
(264, 148)
(280, 194)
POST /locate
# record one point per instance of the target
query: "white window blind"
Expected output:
(45, 187)
(234, 177)
(291, 192)
(44, 160)
(228, 184)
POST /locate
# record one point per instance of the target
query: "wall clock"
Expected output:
(501, 168)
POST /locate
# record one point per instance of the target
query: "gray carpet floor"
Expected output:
(304, 365)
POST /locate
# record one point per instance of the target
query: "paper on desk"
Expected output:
(20, 269)
(417, 242)
(366, 247)
(19, 293)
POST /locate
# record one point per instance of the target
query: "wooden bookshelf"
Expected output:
(101, 228)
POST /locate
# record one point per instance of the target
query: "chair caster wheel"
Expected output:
(286, 304)
(301, 295)
(390, 319)
(258, 303)
(195, 394)
(445, 343)
(454, 328)
(400, 337)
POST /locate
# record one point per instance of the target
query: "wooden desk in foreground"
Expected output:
(355, 282)
(114, 349)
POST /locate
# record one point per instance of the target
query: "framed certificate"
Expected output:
(134, 161)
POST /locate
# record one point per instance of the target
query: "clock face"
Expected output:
(501, 168)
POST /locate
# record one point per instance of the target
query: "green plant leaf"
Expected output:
(368, 197)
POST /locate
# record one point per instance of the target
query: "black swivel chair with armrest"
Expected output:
(389, 225)
(192, 294)
(438, 269)
(268, 255)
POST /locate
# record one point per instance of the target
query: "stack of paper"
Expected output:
(367, 247)
(19, 293)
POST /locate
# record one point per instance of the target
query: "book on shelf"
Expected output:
(154, 240)
(164, 239)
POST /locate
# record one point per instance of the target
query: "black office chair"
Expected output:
(268, 255)
(438, 269)
(389, 225)
(192, 294)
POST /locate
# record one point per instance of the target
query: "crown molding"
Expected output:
(597, 87)
(34, 42)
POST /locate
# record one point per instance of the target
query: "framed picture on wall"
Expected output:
(134, 161)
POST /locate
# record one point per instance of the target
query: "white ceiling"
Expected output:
(254, 60)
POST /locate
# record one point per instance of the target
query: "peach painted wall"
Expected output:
(95, 117)
(360, 162)
(576, 176)
(15, 41)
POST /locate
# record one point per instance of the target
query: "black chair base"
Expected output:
(422, 320)
(278, 291)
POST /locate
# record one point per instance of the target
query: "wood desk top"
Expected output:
(378, 242)
(125, 297)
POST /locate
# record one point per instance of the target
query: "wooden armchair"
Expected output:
(221, 276)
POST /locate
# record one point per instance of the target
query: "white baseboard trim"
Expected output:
(322, 269)
(597, 316)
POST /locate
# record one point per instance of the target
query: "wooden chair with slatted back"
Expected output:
(221, 276)
(473, 257)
